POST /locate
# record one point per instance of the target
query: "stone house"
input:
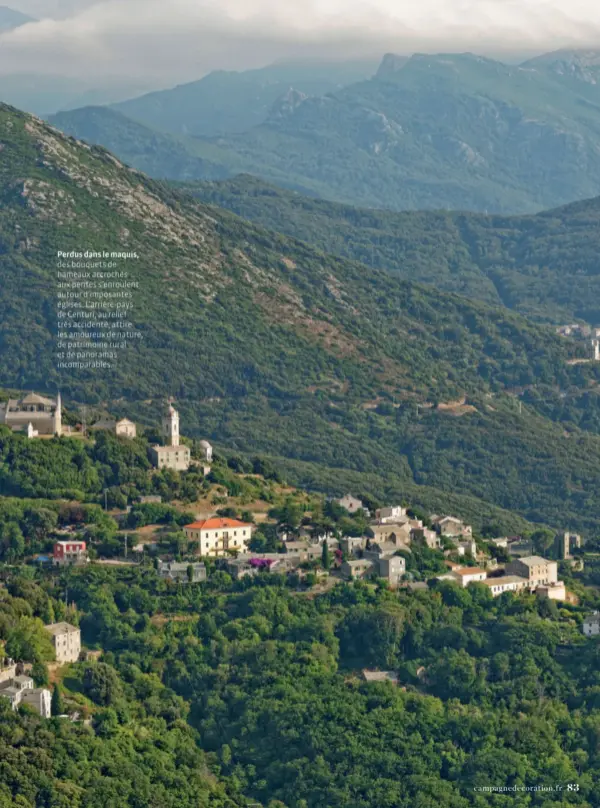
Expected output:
(20, 690)
(423, 535)
(378, 550)
(466, 547)
(177, 458)
(356, 568)
(178, 571)
(557, 591)
(397, 532)
(536, 570)
(451, 527)
(350, 503)
(591, 624)
(351, 545)
(392, 568)
(66, 640)
(392, 514)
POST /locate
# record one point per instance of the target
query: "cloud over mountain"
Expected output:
(185, 38)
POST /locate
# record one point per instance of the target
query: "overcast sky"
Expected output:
(178, 40)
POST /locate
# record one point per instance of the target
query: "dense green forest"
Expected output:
(137, 751)
(451, 131)
(544, 266)
(255, 690)
(271, 346)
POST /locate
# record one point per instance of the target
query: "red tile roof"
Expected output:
(216, 523)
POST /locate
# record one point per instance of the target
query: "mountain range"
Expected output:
(544, 265)
(354, 376)
(227, 101)
(446, 131)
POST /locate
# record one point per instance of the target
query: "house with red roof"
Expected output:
(219, 536)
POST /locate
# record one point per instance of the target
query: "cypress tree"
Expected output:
(326, 556)
(56, 705)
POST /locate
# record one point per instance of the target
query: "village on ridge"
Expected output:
(378, 555)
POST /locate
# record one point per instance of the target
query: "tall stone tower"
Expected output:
(58, 416)
(170, 425)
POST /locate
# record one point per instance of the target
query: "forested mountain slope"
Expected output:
(545, 266)
(265, 341)
(229, 101)
(446, 131)
(155, 153)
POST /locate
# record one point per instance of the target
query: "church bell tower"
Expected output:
(170, 425)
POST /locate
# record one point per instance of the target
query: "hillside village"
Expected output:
(376, 546)
(315, 541)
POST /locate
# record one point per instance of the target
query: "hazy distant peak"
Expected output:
(583, 57)
(11, 19)
(391, 63)
(441, 63)
(578, 64)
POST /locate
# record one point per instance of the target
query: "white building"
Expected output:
(20, 690)
(591, 624)
(206, 451)
(469, 575)
(219, 536)
(557, 591)
(66, 640)
(123, 428)
(40, 699)
(506, 583)
(391, 514)
(34, 415)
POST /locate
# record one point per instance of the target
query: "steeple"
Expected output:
(58, 416)
(170, 425)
